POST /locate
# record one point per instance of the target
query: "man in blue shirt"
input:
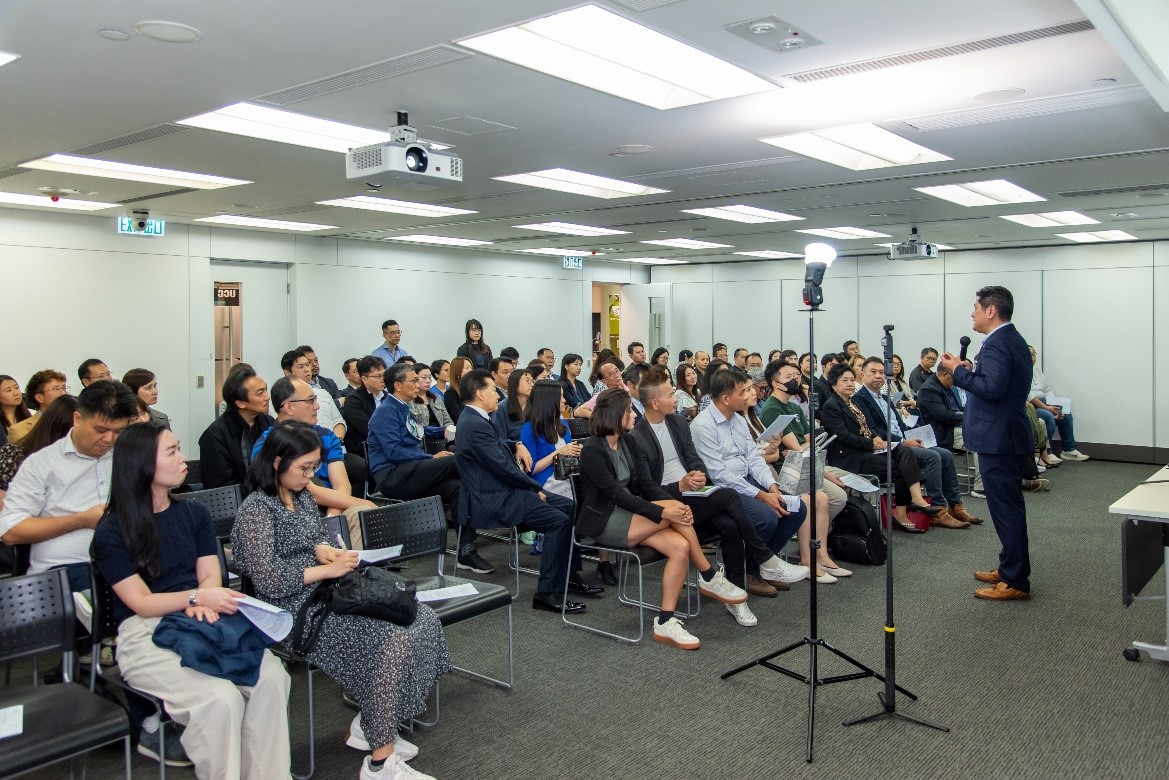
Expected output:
(391, 350)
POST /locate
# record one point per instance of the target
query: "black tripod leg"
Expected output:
(813, 683)
(870, 672)
(762, 660)
(890, 711)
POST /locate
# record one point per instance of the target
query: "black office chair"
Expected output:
(579, 428)
(222, 503)
(60, 721)
(420, 527)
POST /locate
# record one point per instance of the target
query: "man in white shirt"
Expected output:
(297, 365)
(1054, 417)
(723, 441)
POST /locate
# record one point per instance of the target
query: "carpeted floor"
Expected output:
(1030, 689)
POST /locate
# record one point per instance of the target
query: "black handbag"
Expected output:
(371, 591)
(856, 535)
(565, 466)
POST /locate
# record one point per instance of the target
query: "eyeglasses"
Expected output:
(309, 470)
(99, 377)
(56, 389)
(380, 375)
(312, 400)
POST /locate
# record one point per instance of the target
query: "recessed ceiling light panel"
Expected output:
(439, 240)
(107, 169)
(857, 147)
(564, 180)
(551, 250)
(1052, 219)
(571, 229)
(651, 260)
(395, 206)
(600, 50)
(1098, 235)
(768, 254)
(44, 201)
(994, 192)
(7, 57)
(844, 233)
(271, 124)
(268, 224)
(688, 243)
(740, 213)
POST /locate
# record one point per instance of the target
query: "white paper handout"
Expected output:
(858, 483)
(776, 427)
(792, 503)
(1062, 403)
(11, 721)
(911, 419)
(449, 592)
(705, 490)
(379, 554)
(925, 433)
(272, 621)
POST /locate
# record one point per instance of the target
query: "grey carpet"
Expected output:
(1032, 690)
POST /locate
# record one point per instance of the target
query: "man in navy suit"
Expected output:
(997, 428)
(496, 493)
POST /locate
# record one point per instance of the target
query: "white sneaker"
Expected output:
(672, 632)
(356, 740)
(743, 615)
(1072, 455)
(394, 769)
(1040, 466)
(1051, 458)
(721, 589)
(784, 572)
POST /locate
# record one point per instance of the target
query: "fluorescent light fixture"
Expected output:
(106, 169)
(44, 201)
(395, 206)
(570, 229)
(268, 224)
(688, 243)
(1099, 235)
(1052, 219)
(551, 250)
(857, 147)
(844, 232)
(271, 124)
(743, 214)
(651, 260)
(7, 57)
(441, 240)
(936, 246)
(564, 180)
(769, 254)
(600, 50)
(994, 192)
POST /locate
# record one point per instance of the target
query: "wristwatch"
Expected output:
(193, 601)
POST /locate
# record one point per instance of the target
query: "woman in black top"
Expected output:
(661, 357)
(450, 398)
(519, 391)
(160, 557)
(12, 407)
(576, 392)
(475, 348)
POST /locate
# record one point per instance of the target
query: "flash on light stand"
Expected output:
(817, 258)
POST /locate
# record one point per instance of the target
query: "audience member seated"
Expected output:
(857, 449)
(56, 422)
(538, 370)
(474, 348)
(723, 441)
(440, 373)
(1054, 417)
(754, 360)
(576, 392)
(719, 352)
(759, 383)
(922, 371)
(296, 364)
(280, 543)
(498, 494)
(144, 384)
(820, 384)
(686, 357)
(93, 370)
(712, 368)
(546, 436)
(939, 408)
(609, 373)
(513, 414)
(360, 404)
(616, 513)
(450, 398)
(429, 411)
(900, 385)
(512, 354)
(603, 357)
(352, 378)
(319, 382)
(12, 406)
(851, 349)
(636, 352)
(660, 357)
(631, 380)
(668, 458)
(225, 448)
(741, 358)
(687, 395)
(501, 369)
(391, 349)
(161, 560)
(936, 463)
(42, 389)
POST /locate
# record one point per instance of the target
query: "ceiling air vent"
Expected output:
(126, 140)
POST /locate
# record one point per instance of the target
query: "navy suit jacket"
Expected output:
(494, 492)
(996, 422)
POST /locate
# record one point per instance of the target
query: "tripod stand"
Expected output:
(813, 297)
(889, 697)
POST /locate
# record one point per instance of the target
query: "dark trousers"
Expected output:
(722, 512)
(906, 471)
(421, 478)
(1002, 476)
(772, 528)
(553, 518)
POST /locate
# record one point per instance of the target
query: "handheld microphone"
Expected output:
(965, 342)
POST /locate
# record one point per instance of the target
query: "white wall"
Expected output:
(1096, 314)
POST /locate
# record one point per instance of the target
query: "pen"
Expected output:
(341, 542)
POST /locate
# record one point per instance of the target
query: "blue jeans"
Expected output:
(938, 474)
(1066, 435)
(772, 528)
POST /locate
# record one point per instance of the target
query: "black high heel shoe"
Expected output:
(932, 511)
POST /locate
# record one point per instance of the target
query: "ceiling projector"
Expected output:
(403, 161)
(912, 249)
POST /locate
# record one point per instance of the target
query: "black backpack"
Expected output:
(856, 536)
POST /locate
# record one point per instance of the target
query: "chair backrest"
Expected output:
(419, 526)
(574, 480)
(36, 615)
(222, 503)
(578, 427)
(370, 482)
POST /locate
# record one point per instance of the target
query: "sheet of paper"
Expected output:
(925, 433)
(911, 419)
(897, 396)
(450, 592)
(702, 491)
(380, 554)
(272, 621)
(776, 427)
(1063, 403)
(792, 503)
(12, 721)
(858, 483)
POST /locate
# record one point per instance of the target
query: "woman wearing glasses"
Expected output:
(279, 542)
(475, 348)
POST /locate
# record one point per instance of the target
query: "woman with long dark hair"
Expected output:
(475, 348)
(519, 391)
(576, 392)
(450, 398)
(546, 436)
(12, 407)
(686, 392)
(145, 385)
(160, 557)
(281, 544)
(661, 357)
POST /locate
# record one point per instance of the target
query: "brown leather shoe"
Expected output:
(1036, 485)
(990, 577)
(958, 512)
(946, 520)
(760, 587)
(777, 584)
(1002, 592)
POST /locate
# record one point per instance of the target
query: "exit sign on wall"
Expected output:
(573, 263)
(153, 227)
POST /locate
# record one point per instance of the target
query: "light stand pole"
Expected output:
(889, 697)
(817, 257)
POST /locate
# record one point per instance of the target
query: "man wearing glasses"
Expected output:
(362, 402)
(42, 389)
(93, 370)
(392, 350)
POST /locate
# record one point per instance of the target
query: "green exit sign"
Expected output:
(152, 227)
(573, 263)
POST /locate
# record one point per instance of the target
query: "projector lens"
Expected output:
(416, 159)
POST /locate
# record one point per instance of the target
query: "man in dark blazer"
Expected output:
(996, 426)
(497, 494)
(939, 407)
(363, 401)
